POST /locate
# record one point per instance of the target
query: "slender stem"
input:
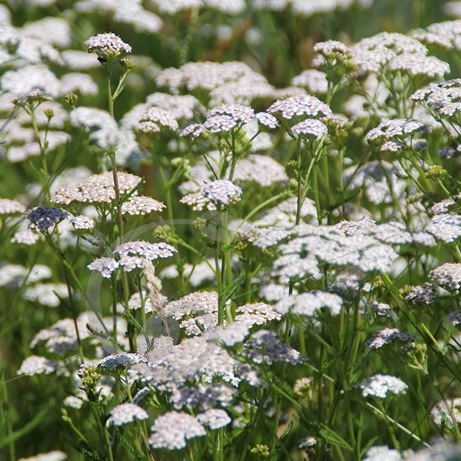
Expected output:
(300, 180)
(303, 183)
(42, 148)
(108, 445)
(118, 205)
(5, 410)
(219, 286)
(110, 100)
(383, 415)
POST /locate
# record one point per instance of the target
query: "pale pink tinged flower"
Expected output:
(214, 418)
(126, 413)
(173, 429)
(303, 105)
(141, 205)
(107, 46)
(310, 128)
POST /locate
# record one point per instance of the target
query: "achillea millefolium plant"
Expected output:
(230, 230)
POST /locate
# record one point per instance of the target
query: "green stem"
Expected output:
(383, 415)
(108, 445)
(219, 286)
(4, 410)
(42, 148)
(118, 204)
(299, 185)
(305, 183)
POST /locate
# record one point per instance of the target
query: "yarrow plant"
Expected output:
(229, 230)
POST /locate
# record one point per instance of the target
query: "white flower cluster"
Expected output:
(227, 82)
(296, 106)
(46, 294)
(107, 46)
(381, 385)
(445, 34)
(397, 52)
(388, 336)
(447, 275)
(259, 169)
(396, 134)
(273, 227)
(196, 312)
(232, 7)
(82, 222)
(313, 80)
(180, 107)
(14, 275)
(36, 365)
(118, 361)
(214, 418)
(173, 429)
(310, 245)
(307, 7)
(141, 205)
(214, 195)
(156, 119)
(441, 97)
(308, 304)
(97, 188)
(382, 453)
(61, 337)
(132, 255)
(123, 12)
(11, 207)
(126, 413)
(221, 119)
(310, 128)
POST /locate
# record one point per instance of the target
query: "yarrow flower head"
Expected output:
(421, 294)
(313, 80)
(443, 98)
(156, 119)
(141, 205)
(214, 195)
(11, 207)
(390, 129)
(132, 255)
(214, 418)
(108, 47)
(42, 218)
(127, 413)
(221, 119)
(173, 429)
(388, 336)
(380, 385)
(302, 105)
(97, 188)
(310, 128)
(37, 365)
(447, 275)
